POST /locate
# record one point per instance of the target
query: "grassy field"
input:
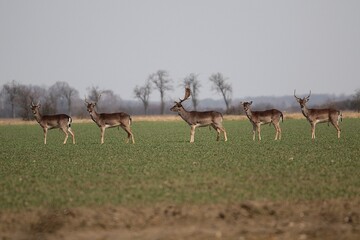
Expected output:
(164, 167)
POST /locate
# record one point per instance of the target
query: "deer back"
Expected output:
(114, 119)
(205, 118)
(322, 115)
(266, 116)
(56, 121)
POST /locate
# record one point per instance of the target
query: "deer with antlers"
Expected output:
(61, 121)
(257, 118)
(315, 116)
(109, 120)
(199, 119)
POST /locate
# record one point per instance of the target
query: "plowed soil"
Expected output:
(335, 219)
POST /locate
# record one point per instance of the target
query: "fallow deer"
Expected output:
(109, 120)
(322, 115)
(61, 121)
(199, 119)
(257, 118)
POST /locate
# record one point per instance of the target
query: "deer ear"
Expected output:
(250, 102)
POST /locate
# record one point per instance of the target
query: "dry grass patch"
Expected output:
(167, 118)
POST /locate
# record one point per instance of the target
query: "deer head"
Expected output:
(91, 105)
(246, 105)
(302, 101)
(177, 107)
(35, 107)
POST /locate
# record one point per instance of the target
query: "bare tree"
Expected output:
(23, 99)
(192, 81)
(143, 93)
(221, 86)
(110, 101)
(356, 100)
(94, 93)
(162, 83)
(62, 90)
(11, 90)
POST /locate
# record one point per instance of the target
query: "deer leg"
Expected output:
(259, 131)
(223, 130)
(218, 134)
(336, 125)
(192, 133)
(313, 130)
(277, 130)
(72, 135)
(217, 129)
(45, 134)
(276, 133)
(66, 134)
(254, 131)
(102, 134)
(130, 135)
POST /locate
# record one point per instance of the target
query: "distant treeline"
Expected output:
(16, 98)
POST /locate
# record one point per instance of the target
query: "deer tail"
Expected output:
(69, 122)
(282, 117)
(340, 116)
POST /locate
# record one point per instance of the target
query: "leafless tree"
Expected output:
(23, 100)
(62, 90)
(162, 83)
(11, 90)
(192, 81)
(221, 86)
(109, 100)
(143, 93)
(356, 100)
(94, 93)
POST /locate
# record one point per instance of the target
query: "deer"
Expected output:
(323, 115)
(257, 118)
(61, 121)
(199, 119)
(110, 120)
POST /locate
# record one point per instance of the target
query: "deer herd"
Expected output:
(193, 118)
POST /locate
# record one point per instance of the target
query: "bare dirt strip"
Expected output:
(330, 219)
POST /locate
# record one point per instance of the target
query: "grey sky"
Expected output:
(263, 47)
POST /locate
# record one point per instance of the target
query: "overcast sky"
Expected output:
(262, 47)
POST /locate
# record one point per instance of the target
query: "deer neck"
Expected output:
(305, 111)
(248, 113)
(94, 116)
(185, 115)
(38, 117)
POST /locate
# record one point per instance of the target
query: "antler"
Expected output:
(34, 105)
(305, 97)
(295, 95)
(187, 94)
(99, 96)
(86, 101)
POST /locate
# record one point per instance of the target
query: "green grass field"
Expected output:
(164, 167)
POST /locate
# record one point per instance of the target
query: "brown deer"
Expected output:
(257, 118)
(109, 120)
(315, 116)
(199, 119)
(61, 121)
